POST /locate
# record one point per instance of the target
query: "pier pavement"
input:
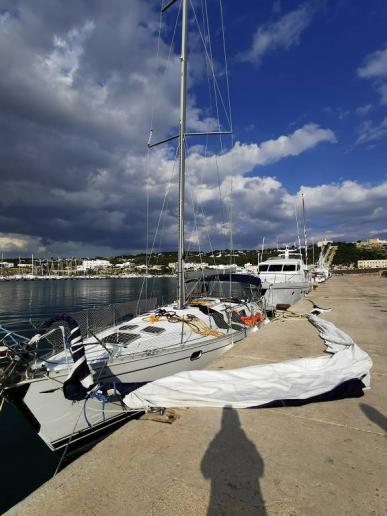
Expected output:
(319, 459)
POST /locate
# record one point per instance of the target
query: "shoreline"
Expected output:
(87, 277)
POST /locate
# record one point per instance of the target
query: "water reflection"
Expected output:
(234, 466)
(20, 300)
(26, 462)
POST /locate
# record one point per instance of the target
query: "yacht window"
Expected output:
(275, 267)
(153, 329)
(129, 327)
(298, 267)
(288, 268)
(263, 268)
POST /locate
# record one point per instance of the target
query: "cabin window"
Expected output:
(275, 267)
(289, 268)
(263, 268)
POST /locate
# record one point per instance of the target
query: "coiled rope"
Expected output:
(194, 323)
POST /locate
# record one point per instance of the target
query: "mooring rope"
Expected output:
(194, 323)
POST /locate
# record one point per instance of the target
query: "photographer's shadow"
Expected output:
(234, 466)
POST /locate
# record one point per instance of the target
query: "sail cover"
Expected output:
(233, 278)
(345, 372)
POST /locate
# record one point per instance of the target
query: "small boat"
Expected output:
(284, 279)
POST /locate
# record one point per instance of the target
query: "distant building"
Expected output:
(372, 242)
(190, 266)
(125, 265)
(93, 265)
(6, 265)
(371, 264)
(376, 241)
(195, 266)
(142, 267)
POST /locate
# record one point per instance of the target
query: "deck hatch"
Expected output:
(120, 338)
(129, 327)
(153, 329)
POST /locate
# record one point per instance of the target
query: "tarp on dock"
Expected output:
(299, 379)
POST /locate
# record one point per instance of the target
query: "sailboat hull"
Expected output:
(62, 421)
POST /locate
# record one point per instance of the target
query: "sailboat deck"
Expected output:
(148, 334)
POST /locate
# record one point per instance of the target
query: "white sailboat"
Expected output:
(321, 272)
(184, 335)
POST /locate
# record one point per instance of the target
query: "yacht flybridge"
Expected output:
(284, 278)
(70, 377)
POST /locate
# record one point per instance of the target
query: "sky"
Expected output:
(303, 85)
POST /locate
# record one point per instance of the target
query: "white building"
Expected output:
(195, 266)
(371, 264)
(93, 265)
(6, 265)
(190, 266)
(372, 242)
(125, 265)
(142, 267)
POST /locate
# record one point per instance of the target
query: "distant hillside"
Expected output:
(348, 254)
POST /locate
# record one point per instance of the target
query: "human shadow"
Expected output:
(234, 466)
(375, 416)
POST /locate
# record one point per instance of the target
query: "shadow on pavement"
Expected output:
(234, 467)
(374, 415)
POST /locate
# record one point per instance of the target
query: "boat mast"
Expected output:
(305, 238)
(183, 97)
(181, 136)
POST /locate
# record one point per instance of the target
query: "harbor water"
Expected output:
(26, 462)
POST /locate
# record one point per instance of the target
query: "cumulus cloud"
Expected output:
(75, 97)
(243, 158)
(13, 243)
(375, 68)
(281, 34)
(375, 65)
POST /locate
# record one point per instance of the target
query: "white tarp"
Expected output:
(261, 384)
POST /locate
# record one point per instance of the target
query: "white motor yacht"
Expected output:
(284, 279)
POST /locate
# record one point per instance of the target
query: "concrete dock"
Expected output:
(319, 459)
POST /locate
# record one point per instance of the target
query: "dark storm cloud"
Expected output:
(77, 81)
